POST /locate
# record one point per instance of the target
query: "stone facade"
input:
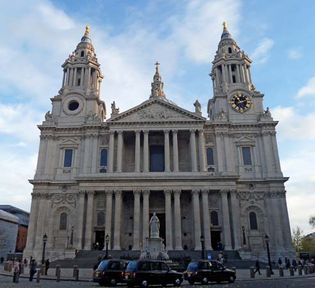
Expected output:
(218, 177)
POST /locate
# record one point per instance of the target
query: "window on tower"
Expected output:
(82, 53)
(63, 221)
(230, 50)
(68, 158)
(210, 159)
(253, 221)
(103, 160)
(247, 159)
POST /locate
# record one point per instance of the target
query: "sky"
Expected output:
(129, 37)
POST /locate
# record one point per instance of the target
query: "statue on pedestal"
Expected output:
(154, 226)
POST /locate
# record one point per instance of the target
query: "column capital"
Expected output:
(120, 132)
(90, 193)
(137, 131)
(111, 132)
(174, 131)
(204, 191)
(193, 130)
(177, 192)
(81, 192)
(168, 192)
(145, 192)
(195, 191)
(108, 192)
(136, 192)
(200, 131)
(145, 131)
(166, 131)
(117, 193)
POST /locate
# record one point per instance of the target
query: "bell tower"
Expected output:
(79, 96)
(234, 95)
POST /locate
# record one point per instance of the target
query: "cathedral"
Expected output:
(213, 181)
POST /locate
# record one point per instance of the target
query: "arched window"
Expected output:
(253, 221)
(82, 53)
(230, 50)
(214, 218)
(63, 221)
(100, 219)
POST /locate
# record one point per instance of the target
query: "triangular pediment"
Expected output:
(156, 110)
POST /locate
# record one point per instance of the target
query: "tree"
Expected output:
(312, 221)
(297, 236)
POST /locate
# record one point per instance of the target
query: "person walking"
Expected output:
(33, 266)
(257, 267)
(279, 262)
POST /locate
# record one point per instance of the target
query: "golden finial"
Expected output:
(224, 25)
(87, 30)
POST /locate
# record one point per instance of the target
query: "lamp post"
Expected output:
(268, 252)
(106, 245)
(244, 237)
(44, 248)
(202, 240)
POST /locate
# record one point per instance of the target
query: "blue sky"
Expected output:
(129, 37)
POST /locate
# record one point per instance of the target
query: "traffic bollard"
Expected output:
(268, 272)
(252, 273)
(300, 270)
(291, 271)
(38, 276)
(305, 270)
(76, 272)
(281, 271)
(58, 272)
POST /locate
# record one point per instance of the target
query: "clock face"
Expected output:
(240, 102)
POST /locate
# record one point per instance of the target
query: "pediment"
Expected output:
(245, 140)
(156, 110)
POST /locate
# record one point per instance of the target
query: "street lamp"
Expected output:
(202, 240)
(244, 237)
(106, 245)
(44, 247)
(268, 252)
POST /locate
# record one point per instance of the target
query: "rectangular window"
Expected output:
(103, 160)
(68, 158)
(210, 159)
(247, 159)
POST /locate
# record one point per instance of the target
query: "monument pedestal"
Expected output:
(155, 249)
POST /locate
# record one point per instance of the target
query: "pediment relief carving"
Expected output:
(245, 140)
(156, 111)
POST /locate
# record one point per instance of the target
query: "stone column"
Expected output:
(268, 152)
(202, 158)
(87, 150)
(119, 151)
(178, 221)
(89, 221)
(31, 233)
(145, 224)
(206, 219)
(80, 220)
(286, 224)
(275, 152)
(175, 151)
(167, 150)
(220, 154)
(108, 215)
(94, 154)
(111, 152)
(193, 150)
(41, 155)
(82, 74)
(117, 220)
(226, 221)
(196, 208)
(146, 151)
(136, 221)
(235, 207)
(137, 151)
(168, 219)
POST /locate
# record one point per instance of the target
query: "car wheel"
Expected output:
(144, 284)
(102, 283)
(191, 282)
(204, 280)
(177, 282)
(231, 279)
(113, 282)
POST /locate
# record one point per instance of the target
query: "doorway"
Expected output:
(216, 240)
(99, 240)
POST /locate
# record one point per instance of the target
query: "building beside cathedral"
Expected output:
(217, 176)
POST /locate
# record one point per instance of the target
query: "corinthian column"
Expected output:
(206, 219)
(196, 208)
(167, 150)
(117, 220)
(108, 219)
(168, 219)
(178, 223)
(202, 159)
(137, 152)
(226, 221)
(146, 151)
(89, 221)
(193, 150)
(111, 151)
(175, 151)
(136, 220)
(119, 151)
(145, 224)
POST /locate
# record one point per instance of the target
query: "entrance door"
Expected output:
(216, 240)
(161, 217)
(156, 158)
(99, 240)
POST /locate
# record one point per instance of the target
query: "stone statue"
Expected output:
(154, 226)
(115, 111)
(197, 107)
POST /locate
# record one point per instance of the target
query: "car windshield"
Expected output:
(103, 265)
(193, 266)
(132, 265)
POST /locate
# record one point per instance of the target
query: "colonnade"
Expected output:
(196, 155)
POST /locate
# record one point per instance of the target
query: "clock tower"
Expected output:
(235, 97)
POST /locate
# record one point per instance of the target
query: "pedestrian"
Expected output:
(16, 272)
(33, 266)
(294, 264)
(279, 262)
(257, 266)
(46, 266)
(288, 264)
(25, 262)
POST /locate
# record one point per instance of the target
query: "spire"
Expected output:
(157, 84)
(225, 34)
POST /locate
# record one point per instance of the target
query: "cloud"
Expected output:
(308, 89)
(261, 53)
(294, 54)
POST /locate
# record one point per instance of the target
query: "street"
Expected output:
(6, 282)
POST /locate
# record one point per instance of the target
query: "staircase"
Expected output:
(87, 259)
